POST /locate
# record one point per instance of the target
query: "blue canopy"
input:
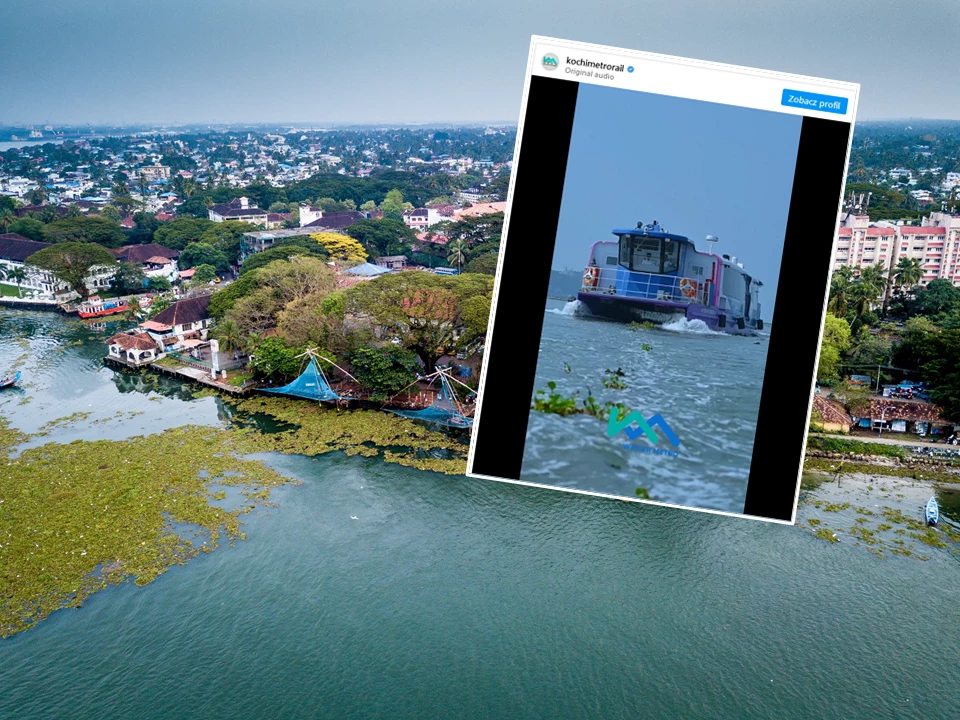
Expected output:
(311, 385)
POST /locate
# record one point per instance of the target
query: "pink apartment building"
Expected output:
(935, 243)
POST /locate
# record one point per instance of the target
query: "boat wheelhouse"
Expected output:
(651, 275)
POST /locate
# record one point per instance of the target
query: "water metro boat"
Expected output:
(651, 275)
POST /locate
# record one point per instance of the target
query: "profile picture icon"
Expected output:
(550, 62)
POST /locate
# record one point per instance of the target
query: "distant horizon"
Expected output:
(341, 124)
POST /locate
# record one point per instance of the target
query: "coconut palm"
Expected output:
(840, 287)
(907, 273)
(17, 275)
(457, 253)
(230, 337)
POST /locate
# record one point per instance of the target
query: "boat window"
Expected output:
(671, 256)
(611, 259)
(646, 255)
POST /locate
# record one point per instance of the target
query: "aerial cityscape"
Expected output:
(244, 300)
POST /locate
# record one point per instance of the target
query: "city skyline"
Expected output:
(212, 63)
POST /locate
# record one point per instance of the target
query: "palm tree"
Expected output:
(907, 273)
(840, 287)
(457, 250)
(230, 337)
(17, 275)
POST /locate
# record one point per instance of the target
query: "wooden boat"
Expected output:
(10, 380)
(97, 307)
(932, 511)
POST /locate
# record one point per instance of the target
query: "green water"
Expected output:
(456, 598)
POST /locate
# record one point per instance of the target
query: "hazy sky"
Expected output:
(113, 61)
(698, 168)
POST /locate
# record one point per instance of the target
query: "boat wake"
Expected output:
(695, 327)
(570, 309)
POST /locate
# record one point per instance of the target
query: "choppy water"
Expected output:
(705, 384)
(450, 597)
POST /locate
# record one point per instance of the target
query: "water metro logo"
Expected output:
(550, 62)
(625, 425)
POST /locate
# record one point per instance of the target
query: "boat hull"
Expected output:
(86, 314)
(661, 312)
(932, 512)
(10, 381)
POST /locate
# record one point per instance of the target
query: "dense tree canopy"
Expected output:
(179, 233)
(200, 253)
(430, 314)
(71, 262)
(383, 236)
(85, 229)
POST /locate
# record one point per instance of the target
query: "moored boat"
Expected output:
(98, 307)
(932, 511)
(651, 275)
(10, 380)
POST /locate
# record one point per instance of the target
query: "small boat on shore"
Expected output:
(932, 511)
(10, 380)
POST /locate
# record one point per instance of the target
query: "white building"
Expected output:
(14, 250)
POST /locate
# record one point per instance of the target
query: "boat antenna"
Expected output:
(711, 241)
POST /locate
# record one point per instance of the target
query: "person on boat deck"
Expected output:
(593, 262)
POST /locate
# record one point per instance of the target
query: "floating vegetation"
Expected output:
(643, 493)
(567, 368)
(63, 422)
(317, 430)
(77, 518)
(645, 325)
(645, 347)
(558, 404)
(204, 393)
(614, 383)
(826, 534)
(835, 507)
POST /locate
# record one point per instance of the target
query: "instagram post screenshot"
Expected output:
(663, 278)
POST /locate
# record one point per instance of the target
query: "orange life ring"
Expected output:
(591, 277)
(688, 287)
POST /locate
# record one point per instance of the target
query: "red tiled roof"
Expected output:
(139, 341)
(915, 411)
(830, 411)
(845, 231)
(880, 231)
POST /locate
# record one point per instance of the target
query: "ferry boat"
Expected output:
(651, 275)
(97, 307)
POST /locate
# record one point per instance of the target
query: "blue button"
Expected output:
(814, 101)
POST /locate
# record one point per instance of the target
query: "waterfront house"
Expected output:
(913, 416)
(14, 251)
(183, 320)
(134, 348)
(155, 260)
(829, 416)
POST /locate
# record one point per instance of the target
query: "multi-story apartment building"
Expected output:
(935, 243)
